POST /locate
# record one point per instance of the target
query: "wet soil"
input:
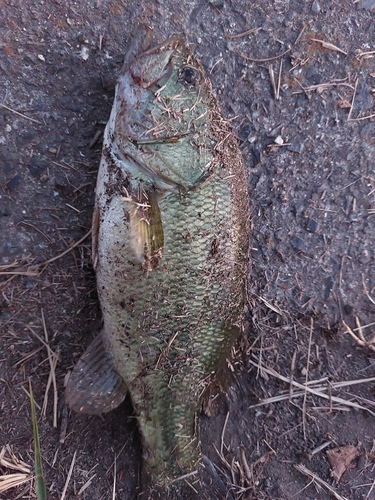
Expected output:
(297, 81)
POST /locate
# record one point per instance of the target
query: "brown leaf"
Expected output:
(343, 103)
(340, 459)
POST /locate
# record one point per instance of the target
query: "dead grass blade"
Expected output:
(9, 481)
(69, 476)
(304, 470)
(8, 460)
(318, 390)
(329, 46)
(86, 485)
(350, 119)
(52, 358)
(365, 55)
(40, 486)
(307, 379)
(114, 479)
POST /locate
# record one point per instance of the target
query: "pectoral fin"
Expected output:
(95, 234)
(94, 386)
(146, 230)
(156, 228)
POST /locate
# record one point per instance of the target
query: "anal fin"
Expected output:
(94, 387)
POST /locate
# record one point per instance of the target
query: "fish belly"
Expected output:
(170, 327)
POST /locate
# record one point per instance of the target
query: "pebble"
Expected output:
(311, 226)
(329, 282)
(367, 4)
(279, 140)
(295, 147)
(256, 156)
(298, 243)
(368, 133)
(315, 7)
(14, 182)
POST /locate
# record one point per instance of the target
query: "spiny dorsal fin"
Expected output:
(94, 386)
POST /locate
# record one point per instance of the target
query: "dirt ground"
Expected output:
(297, 80)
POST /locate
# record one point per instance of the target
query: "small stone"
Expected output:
(279, 140)
(367, 4)
(298, 243)
(348, 309)
(296, 147)
(245, 131)
(329, 282)
(256, 156)
(298, 209)
(365, 256)
(368, 133)
(14, 182)
(84, 53)
(41, 57)
(5, 212)
(279, 234)
(311, 226)
(315, 7)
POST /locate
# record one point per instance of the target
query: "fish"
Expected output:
(170, 248)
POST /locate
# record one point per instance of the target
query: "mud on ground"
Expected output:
(297, 81)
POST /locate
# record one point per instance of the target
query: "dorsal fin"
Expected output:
(94, 386)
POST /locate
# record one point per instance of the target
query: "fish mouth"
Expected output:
(159, 110)
(150, 65)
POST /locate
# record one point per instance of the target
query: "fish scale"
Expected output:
(170, 250)
(152, 321)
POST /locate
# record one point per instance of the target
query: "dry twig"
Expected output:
(317, 390)
(244, 33)
(266, 59)
(304, 470)
(360, 338)
(20, 114)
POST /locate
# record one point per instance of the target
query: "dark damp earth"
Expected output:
(297, 81)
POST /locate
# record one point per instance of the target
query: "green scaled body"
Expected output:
(170, 250)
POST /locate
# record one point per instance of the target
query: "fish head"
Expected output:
(160, 127)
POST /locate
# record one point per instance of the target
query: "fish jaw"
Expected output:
(158, 130)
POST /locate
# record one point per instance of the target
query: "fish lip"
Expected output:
(141, 49)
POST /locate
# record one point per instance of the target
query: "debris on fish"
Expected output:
(170, 250)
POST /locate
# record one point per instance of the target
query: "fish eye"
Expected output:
(189, 75)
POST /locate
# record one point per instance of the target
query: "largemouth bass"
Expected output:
(170, 250)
